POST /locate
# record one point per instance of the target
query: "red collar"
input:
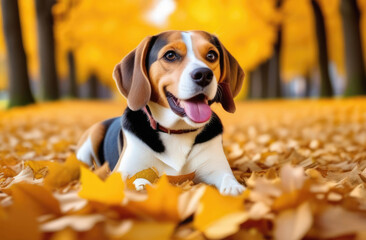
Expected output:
(156, 126)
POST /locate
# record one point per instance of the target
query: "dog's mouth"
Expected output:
(196, 108)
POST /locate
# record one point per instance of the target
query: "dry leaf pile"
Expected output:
(303, 162)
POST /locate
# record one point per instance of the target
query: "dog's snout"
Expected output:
(202, 76)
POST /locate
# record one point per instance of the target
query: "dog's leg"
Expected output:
(87, 148)
(136, 157)
(209, 161)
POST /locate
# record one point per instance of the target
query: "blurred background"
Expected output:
(52, 49)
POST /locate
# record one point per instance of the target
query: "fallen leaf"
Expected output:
(39, 168)
(60, 174)
(219, 216)
(142, 230)
(26, 175)
(35, 197)
(110, 191)
(336, 221)
(79, 223)
(292, 178)
(162, 201)
(293, 224)
(258, 210)
(149, 174)
(250, 234)
(65, 234)
(188, 201)
(19, 222)
(70, 202)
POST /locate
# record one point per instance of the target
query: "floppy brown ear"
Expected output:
(232, 77)
(131, 76)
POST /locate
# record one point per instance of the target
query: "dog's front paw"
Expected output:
(229, 186)
(140, 183)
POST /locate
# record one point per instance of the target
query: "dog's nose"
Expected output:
(202, 76)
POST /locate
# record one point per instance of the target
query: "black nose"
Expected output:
(202, 76)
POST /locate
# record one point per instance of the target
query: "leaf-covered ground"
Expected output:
(303, 162)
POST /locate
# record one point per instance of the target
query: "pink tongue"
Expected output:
(197, 111)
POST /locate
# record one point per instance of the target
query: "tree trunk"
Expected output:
(326, 89)
(308, 85)
(46, 48)
(258, 82)
(93, 86)
(355, 66)
(19, 86)
(73, 86)
(264, 74)
(274, 76)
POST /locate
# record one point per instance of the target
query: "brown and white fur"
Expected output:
(176, 75)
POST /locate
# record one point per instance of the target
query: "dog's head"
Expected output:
(183, 71)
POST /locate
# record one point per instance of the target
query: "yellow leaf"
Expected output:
(39, 168)
(110, 191)
(35, 197)
(60, 174)
(148, 174)
(219, 216)
(141, 230)
(162, 201)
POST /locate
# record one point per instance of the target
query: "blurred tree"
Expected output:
(274, 77)
(258, 81)
(355, 66)
(298, 50)
(19, 87)
(93, 83)
(72, 84)
(3, 64)
(99, 33)
(308, 85)
(46, 47)
(334, 33)
(326, 89)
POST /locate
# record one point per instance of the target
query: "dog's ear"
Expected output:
(131, 76)
(231, 79)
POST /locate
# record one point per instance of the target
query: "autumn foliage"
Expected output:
(100, 33)
(305, 178)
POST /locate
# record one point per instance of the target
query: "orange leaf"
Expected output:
(111, 191)
(219, 216)
(60, 174)
(162, 201)
(35, 197)
(19, 222)
(65, 234)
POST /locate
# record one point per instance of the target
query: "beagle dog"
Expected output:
(170, 80)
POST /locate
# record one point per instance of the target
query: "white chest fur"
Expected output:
(177, 150)
(138, 156)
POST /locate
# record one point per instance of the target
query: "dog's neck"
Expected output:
(167, 118)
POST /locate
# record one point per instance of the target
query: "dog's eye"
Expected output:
(171, 56)
(211, 56)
